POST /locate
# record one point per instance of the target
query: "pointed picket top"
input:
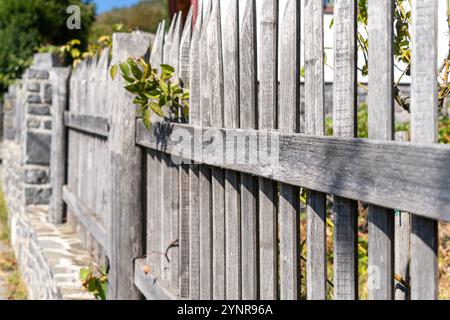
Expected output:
(185, 48)
(168, 40)
(214, 41)
(231, 65)
(103, 62)
(194, 68)
(248, 72)
(155, 44)
(159, 44)
(204, 68)
(175, 47)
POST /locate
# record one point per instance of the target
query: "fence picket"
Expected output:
(267, 107)
(344, 122)
(289, 213)
(205, 172)
(424, 232)
(381, 127)
(231, 120)
(249, 190)
(314, 115)
(194, 192)
(214, 52)
(153, 176)
(402, 235)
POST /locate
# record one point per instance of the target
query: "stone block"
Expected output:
(34, 98)
(39, 110)
(37, 196)
(37, 74)
(48, 124)
(36, 176)
(34, 86)
(45, 60)
(33, 123)
(37, 149)
(48, 93)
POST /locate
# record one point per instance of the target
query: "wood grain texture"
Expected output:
(249, 185)
(381, 126)
(288, 121)
(183, 170)
(344, 125)
(231, 120)
(91, 124)
(126, 179)
(154, 177)
(314, 125)
(150, 286)
(215, 68)
(267, 109)
(424, 107)
(370, 170)
(205, 172)
(194, 182)
(60, 85)
(402, 241)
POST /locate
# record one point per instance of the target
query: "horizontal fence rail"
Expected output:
(379, 172)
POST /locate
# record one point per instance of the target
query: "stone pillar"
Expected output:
(36, 129)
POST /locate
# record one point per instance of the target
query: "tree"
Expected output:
(27, 25)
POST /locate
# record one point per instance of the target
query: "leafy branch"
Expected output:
(154, 92)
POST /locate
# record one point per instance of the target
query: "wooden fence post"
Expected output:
(126, 173)
(60, 77)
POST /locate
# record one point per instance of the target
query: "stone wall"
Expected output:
(49, 255)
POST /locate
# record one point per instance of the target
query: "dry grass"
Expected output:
(8, 266)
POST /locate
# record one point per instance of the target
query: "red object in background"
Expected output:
(183, 5)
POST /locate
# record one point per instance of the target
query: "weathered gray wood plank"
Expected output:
(267, 108)
(231, 120)
(314, 125)
(154, 178)
(381, 126)
(205, 172)
(150, 286)
(194, 191)
(344, 123)
(87, 123)
(363, 169)
(424, 232)
(249, 190)
(402, 242)
(60, 77)
(215, 69)
(126, 179)
(288, 121)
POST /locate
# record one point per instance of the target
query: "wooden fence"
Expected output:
(230, 229)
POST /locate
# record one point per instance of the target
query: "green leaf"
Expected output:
(156, 109)
(146, 118)
(113, 71)
(137, 73)
(84, 273)
(167, 68)
(125, 69)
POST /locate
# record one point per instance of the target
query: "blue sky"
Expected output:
(106, 5)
